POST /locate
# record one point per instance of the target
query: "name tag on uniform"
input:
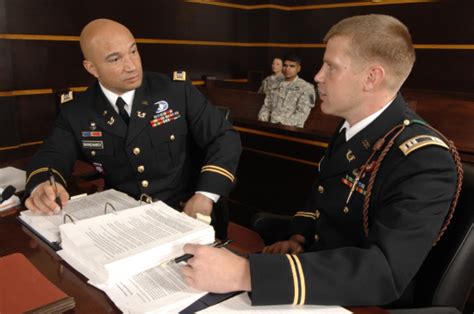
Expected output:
(93, 144)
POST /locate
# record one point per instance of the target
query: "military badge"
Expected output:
(92, 126)
(141, 114)
(162, 106)
(179, 76)
(350, 156)
(111, 121)
(91, 134)
(349, 181)
(164, 117)
(68, 96)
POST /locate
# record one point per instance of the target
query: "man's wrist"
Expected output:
(298, 238)
(212, 196)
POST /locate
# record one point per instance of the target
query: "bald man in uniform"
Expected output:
(138, 129)
(383, 196)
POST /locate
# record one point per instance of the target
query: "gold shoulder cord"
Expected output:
(373, 167)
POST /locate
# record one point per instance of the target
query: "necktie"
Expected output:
(339, 140)
(122, 112)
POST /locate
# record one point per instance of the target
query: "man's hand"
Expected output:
(42, 200)
(293, 245)
(198, 204)
(216, 270)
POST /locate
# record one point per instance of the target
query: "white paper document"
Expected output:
(13, 176)
(118, 245)
(241, 304)
(79, 208)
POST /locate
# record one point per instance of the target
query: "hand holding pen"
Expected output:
(48, 197)
(186, 257)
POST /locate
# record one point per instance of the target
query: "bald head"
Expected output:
(97, 31)
(111, 55)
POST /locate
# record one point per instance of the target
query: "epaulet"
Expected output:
(179, 76)
(67, 96)
(420, 141)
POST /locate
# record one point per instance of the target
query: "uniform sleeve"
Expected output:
(413, 202)
(263, 86)
(220, 142)
(303, 106)
(59, 151)
(265, 111)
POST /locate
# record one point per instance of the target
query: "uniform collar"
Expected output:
(351, 131)
(112, 98)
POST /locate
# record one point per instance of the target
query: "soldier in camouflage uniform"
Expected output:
(275, 78)
(290, 101)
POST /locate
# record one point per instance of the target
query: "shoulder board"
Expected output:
(419, 141)
(66, 97)
(179, 76)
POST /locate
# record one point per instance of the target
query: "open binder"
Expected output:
(120, 250)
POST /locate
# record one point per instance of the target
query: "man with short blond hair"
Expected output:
(375, 209)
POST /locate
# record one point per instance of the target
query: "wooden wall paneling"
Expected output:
(9, 131)
(443, 70)
(3, 20)
(37, 114)
(48, 64)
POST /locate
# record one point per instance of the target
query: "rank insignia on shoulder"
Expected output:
(419, 141)
(179, 76)
(68, 96)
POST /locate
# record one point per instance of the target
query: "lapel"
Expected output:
(108, 120)
(143, 109)
(356, 151)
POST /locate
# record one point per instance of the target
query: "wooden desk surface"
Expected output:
(16, 238)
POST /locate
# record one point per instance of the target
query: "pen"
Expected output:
(186, 257)
(52, 182)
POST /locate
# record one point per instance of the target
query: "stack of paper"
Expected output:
(116, 246)
(79, 208)
(121, 252)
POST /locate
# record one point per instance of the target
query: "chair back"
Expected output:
(446, 276)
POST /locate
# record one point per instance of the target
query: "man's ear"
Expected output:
(375, 78)
(89, 66)
(298, 68)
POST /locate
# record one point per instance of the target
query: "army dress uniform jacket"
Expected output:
(410, 199)
(154, 155)
(288, 103)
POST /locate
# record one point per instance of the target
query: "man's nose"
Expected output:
(129, 64)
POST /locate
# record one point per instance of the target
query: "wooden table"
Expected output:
(16, 238)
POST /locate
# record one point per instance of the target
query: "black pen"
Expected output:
(52, 182)
(186, 257)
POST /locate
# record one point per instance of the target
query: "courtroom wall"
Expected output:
(40, 54)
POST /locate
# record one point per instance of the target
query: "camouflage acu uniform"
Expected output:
(288, 103)
(269, 82)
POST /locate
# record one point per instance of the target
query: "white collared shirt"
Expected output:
(112, 98)
(351, 131)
